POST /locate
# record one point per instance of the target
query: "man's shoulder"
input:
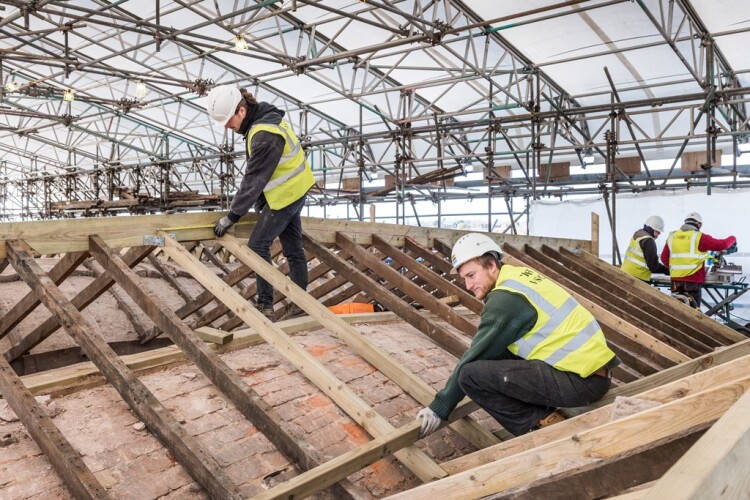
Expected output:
(501, 298)
(269, 115)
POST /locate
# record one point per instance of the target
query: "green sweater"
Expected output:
(506, 317)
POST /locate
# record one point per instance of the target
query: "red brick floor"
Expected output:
(133, 464)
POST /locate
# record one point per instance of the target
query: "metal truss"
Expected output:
(396, 89)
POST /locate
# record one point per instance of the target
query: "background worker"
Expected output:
(686, 252)
(641, 257)
(276, 182)
(536, 348)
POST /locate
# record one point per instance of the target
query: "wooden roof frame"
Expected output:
(649, 343)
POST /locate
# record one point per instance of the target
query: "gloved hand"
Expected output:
(430, 422)
(222, 226)
(731, 249)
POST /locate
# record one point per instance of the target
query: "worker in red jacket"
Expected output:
(685, 254)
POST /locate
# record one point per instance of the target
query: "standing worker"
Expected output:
(276, 182)
(641, 258)
(536, 348)
(686, 252)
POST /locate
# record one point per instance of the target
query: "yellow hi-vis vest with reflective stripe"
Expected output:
(565, 334)
(684, 257)
(635, 263)
(293, 176)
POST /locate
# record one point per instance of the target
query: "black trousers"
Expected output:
(286, 224)
(518, 393)
(692, 290)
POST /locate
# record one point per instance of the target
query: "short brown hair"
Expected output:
(487, 259)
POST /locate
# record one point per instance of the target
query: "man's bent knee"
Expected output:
(470, 378)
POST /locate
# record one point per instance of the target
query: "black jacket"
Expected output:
(267, 149)
(648, 245)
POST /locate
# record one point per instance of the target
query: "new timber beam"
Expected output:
(406, 286)
(663, 423)
(343, 396)
(671, 391)
(716, 466)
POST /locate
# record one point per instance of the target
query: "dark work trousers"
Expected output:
(692, 290)
(286, 224)
(518, 393)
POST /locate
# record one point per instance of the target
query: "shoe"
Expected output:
(268, 312)
(550, 419)
(293, 311)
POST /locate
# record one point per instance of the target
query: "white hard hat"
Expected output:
(222, 103)
(694, 216)
(471, 246)
(656, 223)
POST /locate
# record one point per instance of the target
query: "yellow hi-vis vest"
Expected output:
(684, 257)
(293, 176)
(635, 263)
(565, 334)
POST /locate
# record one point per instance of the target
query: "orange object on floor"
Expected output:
(352, 307)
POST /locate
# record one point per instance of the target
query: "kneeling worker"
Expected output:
(641, 258)
(536, 348)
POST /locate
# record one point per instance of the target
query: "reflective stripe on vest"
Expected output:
(565, 335)
(292, 177)
(684, 257)
(635, 262)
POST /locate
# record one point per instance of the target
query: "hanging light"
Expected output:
(11, 86)
(468, 164)
(240, 44)
(69, 95)
(588, 158)
(140, 89)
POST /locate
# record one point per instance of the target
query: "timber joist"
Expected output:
(667, 351)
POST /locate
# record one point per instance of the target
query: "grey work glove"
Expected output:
(222, 226)
(430, 422)
(732, 249)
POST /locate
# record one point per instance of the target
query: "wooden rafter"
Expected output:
(80, 301)
(66, 461)
(655, 337)
(406, 286)
(602, 314)
(183, 446)
(443, 337)
(402, 377)
(61, 270)
(417, 461)
(248, 402)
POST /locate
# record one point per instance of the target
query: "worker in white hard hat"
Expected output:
(277, 178)
(536, 349)
(641, 257)
(686, 252)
